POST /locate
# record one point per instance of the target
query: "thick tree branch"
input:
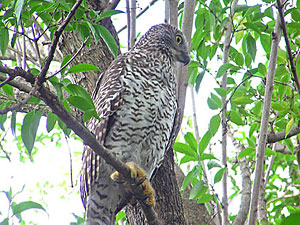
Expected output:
(88, 138)
(260, 152)
(272, 138)
(288, 46)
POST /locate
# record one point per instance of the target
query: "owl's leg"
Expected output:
(141, 178)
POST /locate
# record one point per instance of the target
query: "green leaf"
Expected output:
(222, 70)
(251, 46)
(13, 123)
(239, 59)
(289, 126)
(87, 115)
(77, 90)
(221, 91)
(83, 30)
(235, 117)
(63, 126)
(184, 148)
(199, 80)
(205, 198)
(29, 128)
(108, 39)
(214, 124)
(80, 103)
(23, 206)
(212, 164)
(4, 39)
(245, 152)
(197, 190)
(241, 100)
(5, 222)
(64, 61)
(8, 89)
(18, 9)
(265, 41)
(212, 104)
(187, 179)
(108, 13)
(293, 218)
(253, 127)
(219, 175)
(83, 68)
(51, 121)
(204, 141)
(205, 156)
(191, 140)
(269, 152)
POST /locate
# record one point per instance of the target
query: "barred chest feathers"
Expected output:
(143, 124)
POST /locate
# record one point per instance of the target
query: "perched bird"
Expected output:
(136, 101)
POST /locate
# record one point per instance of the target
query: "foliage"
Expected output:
(247, 69)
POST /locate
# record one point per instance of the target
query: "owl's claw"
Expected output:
(141, 178)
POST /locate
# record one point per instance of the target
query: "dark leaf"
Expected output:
(83, 68)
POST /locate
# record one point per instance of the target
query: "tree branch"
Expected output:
(288, 46)
(260, 152)
(88, 138)
(141, 13)
(227, 42)
(246, 183)
(56, 37)
(272, 138)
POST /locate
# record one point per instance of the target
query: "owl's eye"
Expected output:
(178, 39)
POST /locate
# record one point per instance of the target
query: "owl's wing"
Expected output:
(107, 98)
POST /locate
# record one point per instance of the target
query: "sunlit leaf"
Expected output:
(184, 148)
(18, 9)
(289, 126)
(108, 13)
(23, 206)
(206, 197)
(251, 46)
(191, 140)
(236, 118)
(204, 141)
(214, 124)
(80, 103)
(245, 152)
(219, 175)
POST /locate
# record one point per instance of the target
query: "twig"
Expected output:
(73, 57)
(16, 84)
(17, 105)
(128, 24)
(260, 151)
(132, 23)
(70, 157)
(272, 138)
(56, 37)
(1, 147)
(288, 46)
(283, 197)
(36, 49)
(138, 15)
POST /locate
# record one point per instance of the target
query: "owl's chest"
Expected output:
(144, 120)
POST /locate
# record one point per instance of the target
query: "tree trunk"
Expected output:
(168, 199)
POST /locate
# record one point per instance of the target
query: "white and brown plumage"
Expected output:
(136, 102)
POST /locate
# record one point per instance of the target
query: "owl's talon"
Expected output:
(140, 178)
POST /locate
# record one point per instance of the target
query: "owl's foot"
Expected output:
(140, 178)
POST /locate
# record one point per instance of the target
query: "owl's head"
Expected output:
(166, 38)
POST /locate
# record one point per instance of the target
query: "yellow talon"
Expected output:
(141, 178)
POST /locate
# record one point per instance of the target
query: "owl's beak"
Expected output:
(184, 58)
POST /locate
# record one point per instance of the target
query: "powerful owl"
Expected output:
(136, 102)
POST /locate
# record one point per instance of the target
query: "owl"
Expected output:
(136, 102)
